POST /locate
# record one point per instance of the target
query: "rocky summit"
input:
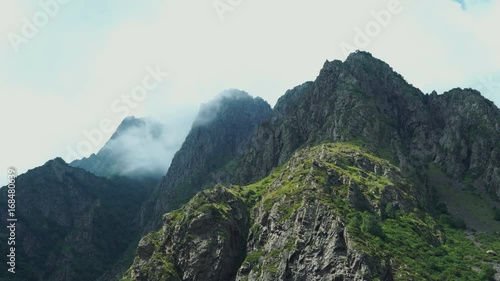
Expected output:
(357, 175)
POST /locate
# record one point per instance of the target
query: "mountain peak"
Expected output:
(361, 55)
(228, 103)
(222, 129)
(57, 160)
(127, 123)
(56, 164)
(365, 61)
(139, 148)
(234, 94)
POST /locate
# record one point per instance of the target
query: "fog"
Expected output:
(141, 147)
(208, 111)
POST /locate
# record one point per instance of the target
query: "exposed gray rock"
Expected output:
(204, 242)
(491, 252)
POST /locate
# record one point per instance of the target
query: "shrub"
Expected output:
(441, 208)
(487, 273)
(457, 223)
(354, 223)
(391, 211)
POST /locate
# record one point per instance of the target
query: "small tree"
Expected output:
(371, 225)
(391, 211)
(496, 213)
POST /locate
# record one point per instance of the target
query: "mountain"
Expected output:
(139, 149)
(72, 225)
(357, 175)
(363, 100)
(216, 138)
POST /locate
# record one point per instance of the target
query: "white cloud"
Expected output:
(262, 47)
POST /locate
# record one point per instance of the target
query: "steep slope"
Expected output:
(364, 100)
(72, 225)
(361, 99)
(332, 212)
(139, 149)
(216, 138)
(466, 138)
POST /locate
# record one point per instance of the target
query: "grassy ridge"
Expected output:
(418, 246)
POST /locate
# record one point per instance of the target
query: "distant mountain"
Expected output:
(72, 225)
(140, 148)
(355, 176)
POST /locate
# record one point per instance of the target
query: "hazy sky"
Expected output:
(65, 68)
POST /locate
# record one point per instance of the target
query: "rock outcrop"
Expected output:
(204, 242)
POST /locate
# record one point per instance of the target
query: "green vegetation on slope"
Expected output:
(418, 245)
(462, 200)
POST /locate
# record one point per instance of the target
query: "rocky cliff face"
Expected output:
(363, 100)
(215, 140)
(466, 138)
(71, 225)
(299, 230)
(218, 214)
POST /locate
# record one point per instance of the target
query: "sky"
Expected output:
(71, 70)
